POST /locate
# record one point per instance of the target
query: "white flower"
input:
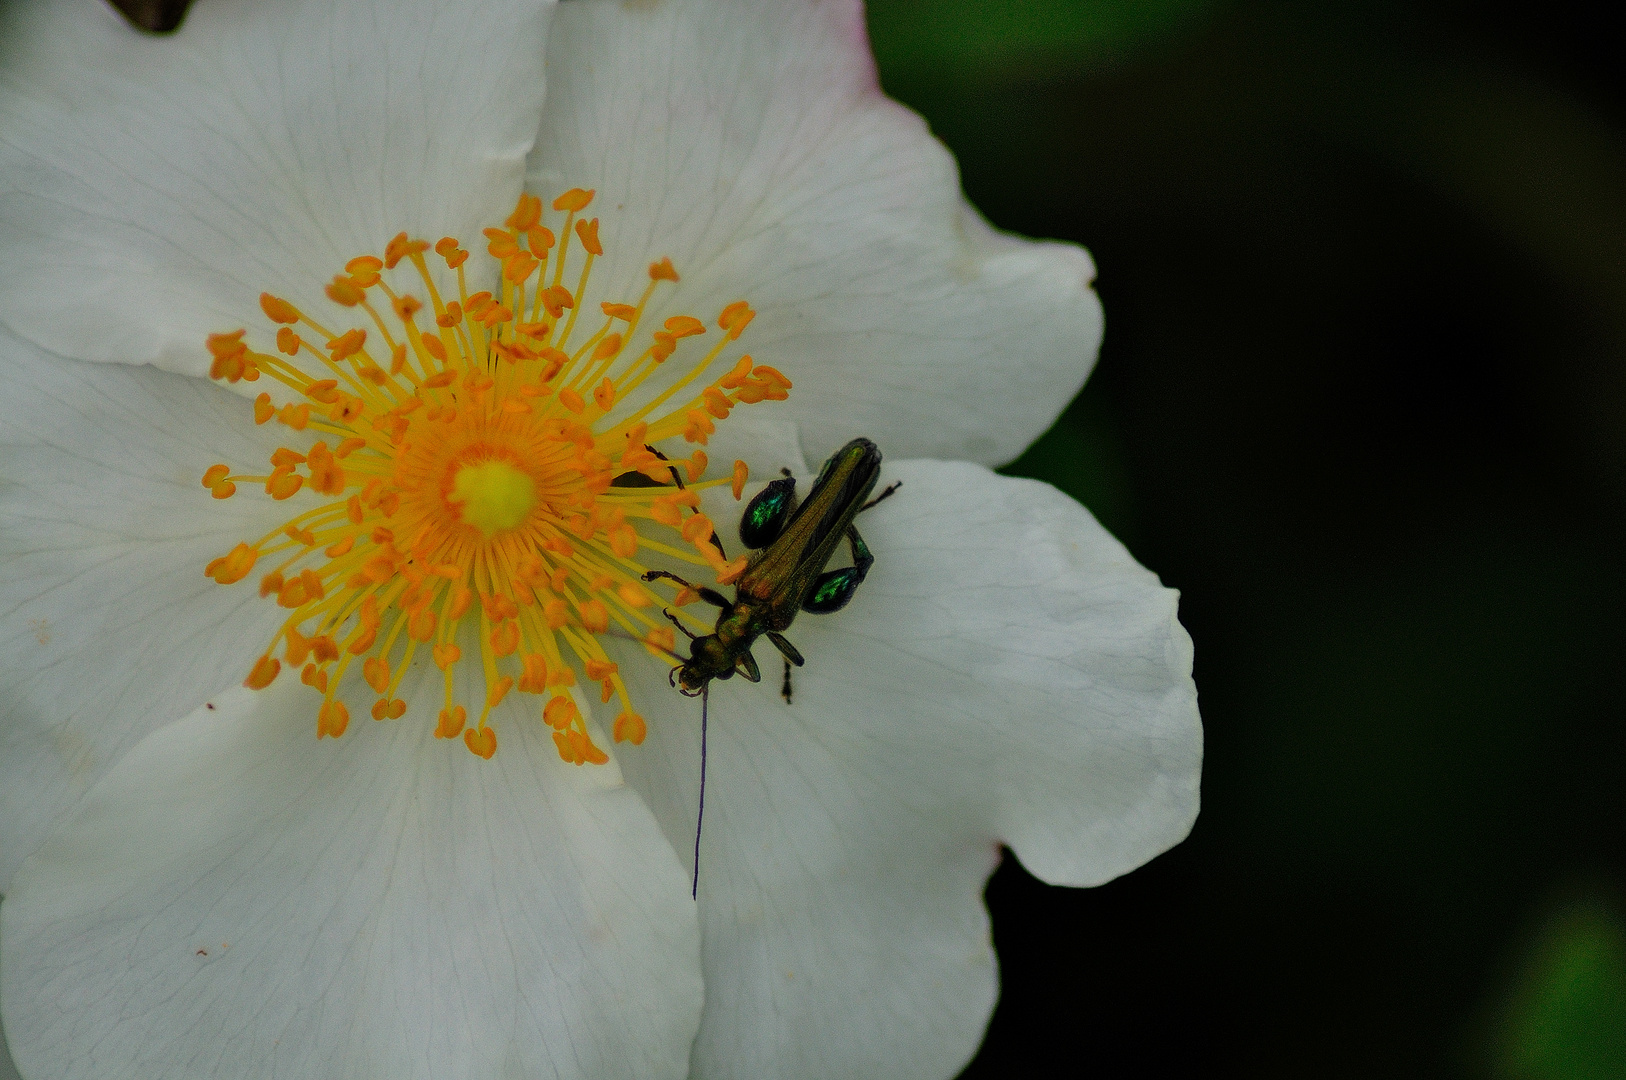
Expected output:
(197, 886)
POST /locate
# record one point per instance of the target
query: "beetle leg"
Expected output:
(710, 596)
(784, 690)
(786, 649)
(862, 559)
(716, 541)
(668, 613)
(833, 588)
(890, 488)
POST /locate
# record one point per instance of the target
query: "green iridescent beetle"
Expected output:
(786, 574)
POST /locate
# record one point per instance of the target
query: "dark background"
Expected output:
(1363, 401)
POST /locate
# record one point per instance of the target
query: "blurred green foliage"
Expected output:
(1017, 40)
(1566, 1018)
(1362, 399)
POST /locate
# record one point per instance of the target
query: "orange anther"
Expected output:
(400, 247)
(385, 709)
(287, 341)
(226, 344)
(451, 722)
(560, 712)
(333, 551)
(445, 246)
(406, 307)
(295, 416)
(771, 375)
(272, 583)
(347, 344)
(588, 231)
(498, 691)
(572, 400)
(496, 314)
(731, 570)
(630, 727)
(364, 264)
(265, 669)
(324, 650)
(344, 291)
(422, 626)
(292, 594)
(312, 583)
(278, 310)
(696, 465)
(482, 742)
(624, 312)
(518, 266)
(735, 317)
(660, 637)
(502, 242)
(555, 298)
(623, 540)
(446, 654)
(505, 638)
(665, 345)
(573, 200)
(262, 409)
(527, 212)
(716, 403)
(433, 346)
(214, 474)
(284, 486)
(683, 326)
(326, 391)
(663, 270)
(633, 596)
(540, 239)
(697, 529)
(600, 669)
(595, 616)
(742, 472)
(299, 646)
(376, 670)
(699, 426)
(736, 377)
(462, 597)
(608, 346)
(332, 719)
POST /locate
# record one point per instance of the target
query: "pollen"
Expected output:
(470, 481)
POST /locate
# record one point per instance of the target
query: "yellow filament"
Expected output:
(462, 455)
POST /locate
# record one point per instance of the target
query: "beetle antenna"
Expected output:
(700, 818)
(617, 633)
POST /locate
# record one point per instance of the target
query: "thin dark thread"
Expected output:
(700, 818)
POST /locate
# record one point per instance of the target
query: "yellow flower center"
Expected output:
(483, 485)
(492, 495)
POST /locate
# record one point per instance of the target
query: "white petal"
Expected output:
(749, 141)
(1006, 673)
(108, 626)
(238, 899)
(151, 188)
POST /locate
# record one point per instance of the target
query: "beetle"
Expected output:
(785, 575)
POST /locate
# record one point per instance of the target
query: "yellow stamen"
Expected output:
(478, 457)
